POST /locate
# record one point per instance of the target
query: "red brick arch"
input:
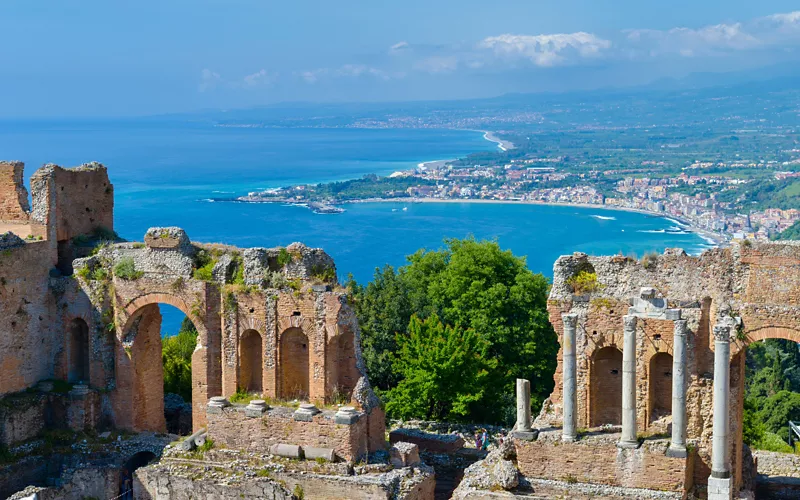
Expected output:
(133, 306)
(773, 332)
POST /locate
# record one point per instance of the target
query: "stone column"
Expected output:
(570, 374)
(629, 439)
(720, 482)
(523, 405)
(677, 447)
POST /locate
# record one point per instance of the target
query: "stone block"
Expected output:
(347, 415)
(305, 413)
(256, 408)
(286, 450)
(171, 238)
(672, 314)
(216, 404)
(313, 453)
(720, 489)
(531, 435)
(437, 443)
(404, 454)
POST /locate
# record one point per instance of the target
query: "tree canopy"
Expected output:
(468, 285)
(176, 354)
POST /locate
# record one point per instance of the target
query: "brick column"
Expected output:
(629, 439)
(720, 482)
(570, 374)
(677, 447)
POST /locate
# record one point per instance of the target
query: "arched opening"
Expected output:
(155, 369)
(294, 354)
(78, 351)
(660, 386)
(251, 359)
(606, 387)
(768, 400)
(343, 374)
(137, 461)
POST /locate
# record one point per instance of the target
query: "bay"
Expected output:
(164, 174)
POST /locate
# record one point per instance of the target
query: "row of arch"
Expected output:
(606, 387)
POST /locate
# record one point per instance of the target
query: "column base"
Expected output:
(628, 445)
(720, 489)
(530, 435)
(568, 439)
(677, 452)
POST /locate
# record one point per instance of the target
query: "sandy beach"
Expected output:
(501, 143)
(713, 238)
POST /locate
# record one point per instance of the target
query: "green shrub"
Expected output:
(773, 442)
(243, 397)
(100, 274)
(204, 265)
(284, 257)
(176, 354)
(650, 260)
(298, 492)
(126, 269)
(584, 282)
(206, 446)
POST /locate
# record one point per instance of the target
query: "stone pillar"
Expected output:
(677, 447)
(570, 374)
(720, 484)
(523, 405)
(629, 439)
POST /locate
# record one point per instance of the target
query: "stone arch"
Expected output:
(251, 361)
(79, 357)
(659, 386)
(343, 371)
(294, 354)
(606, 387)
(772, 332)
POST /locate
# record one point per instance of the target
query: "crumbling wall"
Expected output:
(232, 428)
(74, 201)
(13, 195)
(28, 342)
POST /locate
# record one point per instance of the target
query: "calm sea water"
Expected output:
(164, 173)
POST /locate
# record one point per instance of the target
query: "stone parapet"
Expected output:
(596, 459)
(234, 427)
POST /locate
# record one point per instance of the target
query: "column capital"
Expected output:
(681, 327)
(629, 321)
(722, 333)
(570, 320)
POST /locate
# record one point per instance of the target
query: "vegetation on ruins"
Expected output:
(584, 282)
(204, 265)
(469, 284)
(772, 394)
(443, 371)
(126, 269)
(176, 354)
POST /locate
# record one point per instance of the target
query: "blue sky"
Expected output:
(107, 58)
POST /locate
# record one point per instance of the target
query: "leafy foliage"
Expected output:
(792, 233)
(772, 393)
(469, 285)
(443, 371)
(176, 353)
(126, 269)
(584, 282)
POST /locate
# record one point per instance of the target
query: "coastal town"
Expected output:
(698, 201)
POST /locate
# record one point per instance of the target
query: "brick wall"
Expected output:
(597, 460)
(233, 429)
(14, 204)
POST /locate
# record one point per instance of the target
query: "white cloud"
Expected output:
(692, 42)
(208, 80)
(259, 78)
(399, 47)
(546, 50)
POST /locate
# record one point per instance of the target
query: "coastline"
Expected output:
(502, 144)
(712, 238)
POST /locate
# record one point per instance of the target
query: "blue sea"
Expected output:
(165, 173)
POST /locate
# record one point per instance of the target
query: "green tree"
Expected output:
(777, 410)
(473, 285)
(443, 371)
(176, 353)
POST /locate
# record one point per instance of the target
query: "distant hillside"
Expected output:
(793, 233)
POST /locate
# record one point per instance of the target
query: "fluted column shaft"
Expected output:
(570, 378)
(629, 439)
(720, 451)
(677, 447)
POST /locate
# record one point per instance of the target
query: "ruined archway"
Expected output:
(606, 387)
(660, 386)
(251, 359)
(343, 373)
(140, 370)
(78, 352)
(294, 364)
